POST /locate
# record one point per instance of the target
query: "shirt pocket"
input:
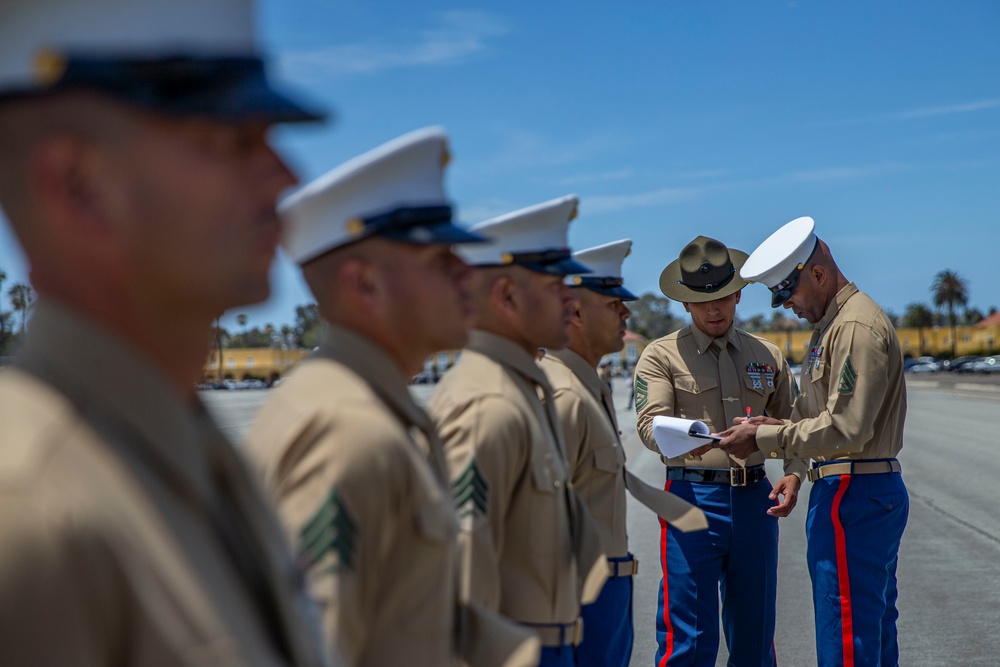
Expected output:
(817, 370)
(759, 385)
(609, 459)
(544, 520)
(693, 394)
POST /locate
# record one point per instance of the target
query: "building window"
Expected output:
(632, 353)
(249, 362)
(966, 338)
(231, 362)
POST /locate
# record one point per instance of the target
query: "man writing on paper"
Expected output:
(849, 419)
(712, 372)
(594, 450)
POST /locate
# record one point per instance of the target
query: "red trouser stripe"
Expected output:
(846, 622)
(669, 650)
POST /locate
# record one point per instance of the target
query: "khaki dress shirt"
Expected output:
(593, 446)
(526, 539)
(130, 533)
(678, 376)
(359, 479)
(853, 399)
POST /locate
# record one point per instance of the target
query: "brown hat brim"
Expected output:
(672, 288)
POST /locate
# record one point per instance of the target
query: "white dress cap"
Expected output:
(780, 258)
(194, 57)
(32, 30)
(605, 262)
(395, 191)
(533, 237)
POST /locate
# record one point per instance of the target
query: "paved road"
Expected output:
(949, 566)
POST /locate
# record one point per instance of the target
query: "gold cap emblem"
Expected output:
(49, 67)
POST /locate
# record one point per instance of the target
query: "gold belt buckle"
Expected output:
(737, 479)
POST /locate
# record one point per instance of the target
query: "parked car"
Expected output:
(963, 364)
(924, 367)
(987, 365)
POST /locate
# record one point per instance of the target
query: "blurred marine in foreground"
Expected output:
(136, 174)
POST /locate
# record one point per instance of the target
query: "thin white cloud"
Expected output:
(600, 177)
(922, 112)
(525, 149)
(456, 36)
(840, 173)
(658, 197)
(668, 195)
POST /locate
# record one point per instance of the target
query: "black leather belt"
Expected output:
(730, 476)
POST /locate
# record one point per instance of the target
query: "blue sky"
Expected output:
(671, 119)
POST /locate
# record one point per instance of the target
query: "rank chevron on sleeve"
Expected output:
(330, 531)
(470, 491)
(848, 377)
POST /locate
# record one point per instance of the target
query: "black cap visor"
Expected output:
(607, 286)
(229, 89)
(422, 225)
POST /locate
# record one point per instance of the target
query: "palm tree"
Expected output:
(3, 316)
(918, 316)
(22, 297)
(949, 289)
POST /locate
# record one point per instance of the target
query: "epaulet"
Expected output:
(34, 421)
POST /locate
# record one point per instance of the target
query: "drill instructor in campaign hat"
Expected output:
(713, 372)
(136, 174)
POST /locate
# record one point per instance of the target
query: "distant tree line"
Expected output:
(304, 333)
(21, 298)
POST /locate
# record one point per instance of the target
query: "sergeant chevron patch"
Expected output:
(641, 393)
(848, 377)
(471, 491)
(330, 531)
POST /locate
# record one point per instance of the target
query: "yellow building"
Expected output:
(252, 363)
(980, 339)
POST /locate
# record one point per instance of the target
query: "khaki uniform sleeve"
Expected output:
(855, 373)
(60, 597)
(487, 442)
(341, 503)
(654, 394)
(779, 406)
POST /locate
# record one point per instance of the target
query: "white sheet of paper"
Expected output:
(674, 436)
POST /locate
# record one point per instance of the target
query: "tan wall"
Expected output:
(262, 363)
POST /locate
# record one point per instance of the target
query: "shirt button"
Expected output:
(774, 455)
(557, 483)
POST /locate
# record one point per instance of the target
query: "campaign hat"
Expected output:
(705, 270)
